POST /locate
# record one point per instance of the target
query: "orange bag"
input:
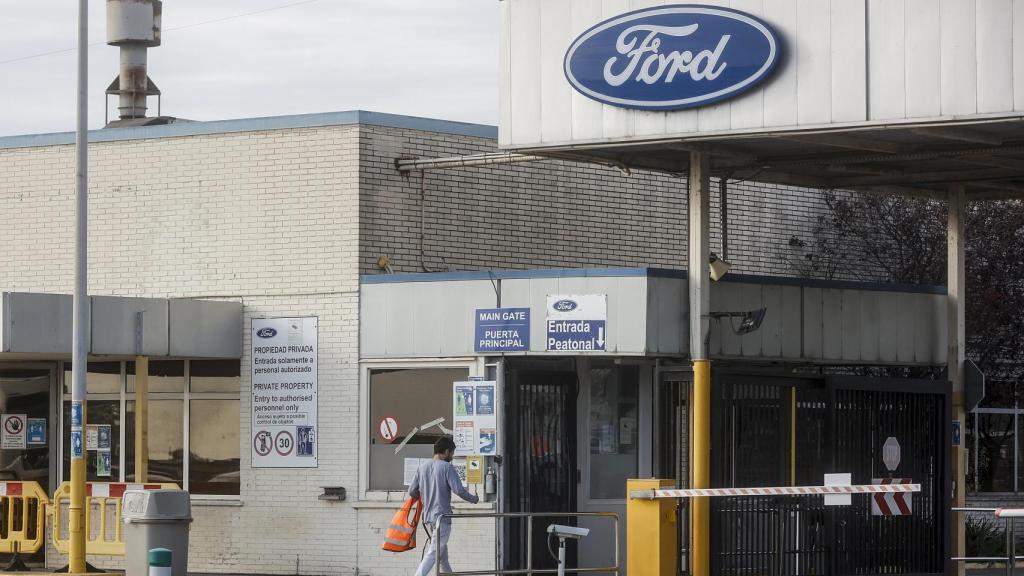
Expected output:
(401, 534)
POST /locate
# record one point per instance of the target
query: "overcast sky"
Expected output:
(434, 58)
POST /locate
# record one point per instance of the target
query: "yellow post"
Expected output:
(700, 508)
(651, 545)
(141, 418)
(76, 508)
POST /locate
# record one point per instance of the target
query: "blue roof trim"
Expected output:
(517, 275)
(833, 284)
(642, 272)
(190, 128)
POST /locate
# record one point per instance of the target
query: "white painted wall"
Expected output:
(845, 63)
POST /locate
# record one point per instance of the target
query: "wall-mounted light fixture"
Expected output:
(717, 267)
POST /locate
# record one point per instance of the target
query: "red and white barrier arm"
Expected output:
(776, 491)
(1010, 512)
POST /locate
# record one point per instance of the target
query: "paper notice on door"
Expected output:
(409, 468)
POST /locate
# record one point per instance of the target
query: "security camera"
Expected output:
(567, 531)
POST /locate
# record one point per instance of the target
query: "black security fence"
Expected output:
(773, 431)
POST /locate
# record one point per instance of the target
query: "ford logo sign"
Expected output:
(672, 57)
(266, 333)
(565, 305)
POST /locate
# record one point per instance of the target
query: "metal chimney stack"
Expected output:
(134, 27)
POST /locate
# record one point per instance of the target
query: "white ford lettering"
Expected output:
(645, 63)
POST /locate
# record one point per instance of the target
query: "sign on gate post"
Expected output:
(284, 392)
(576, 323)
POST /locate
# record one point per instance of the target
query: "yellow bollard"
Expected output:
(700, 508)
(652, 547)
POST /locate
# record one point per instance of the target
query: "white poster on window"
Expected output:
(284, 392)
(475, 410)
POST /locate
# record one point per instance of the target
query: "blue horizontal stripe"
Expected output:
(643, 272)
(196, 128)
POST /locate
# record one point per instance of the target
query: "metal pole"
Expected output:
(700, 280)
(561, 557)
(80, 303)
(437, 545)
(529, 545)
(956, 286)
(1013, 545)
(1009, 553)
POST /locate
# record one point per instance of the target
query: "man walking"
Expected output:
(433, 485)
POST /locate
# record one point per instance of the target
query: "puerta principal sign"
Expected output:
(284, 392)
(576, 323)
(672, 57)
(502, 330)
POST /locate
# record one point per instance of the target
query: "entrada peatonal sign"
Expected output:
(672, 57)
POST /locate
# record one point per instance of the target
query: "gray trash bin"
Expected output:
(155, 519)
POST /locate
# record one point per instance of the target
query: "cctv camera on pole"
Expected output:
(563, 533)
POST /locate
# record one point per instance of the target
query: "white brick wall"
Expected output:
(267, 218)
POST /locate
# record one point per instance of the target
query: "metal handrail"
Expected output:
(529, 570)
(1011, 556)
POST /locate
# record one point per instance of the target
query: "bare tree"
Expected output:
(903, 240)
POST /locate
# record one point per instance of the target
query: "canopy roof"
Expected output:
(918, 159)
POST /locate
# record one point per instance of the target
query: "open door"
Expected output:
(540, 454)
(615, 436)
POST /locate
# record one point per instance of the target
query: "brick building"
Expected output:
(289, 217)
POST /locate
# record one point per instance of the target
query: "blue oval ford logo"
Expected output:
(266, 333)
(564, 305)
(672, 57)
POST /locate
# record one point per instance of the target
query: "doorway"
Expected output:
(28, 390)
(615, 444)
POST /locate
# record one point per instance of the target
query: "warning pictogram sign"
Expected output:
(388, 429)
(13, 436)
(262, 443)
(892, 503)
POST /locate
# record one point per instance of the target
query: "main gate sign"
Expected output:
(671, 58)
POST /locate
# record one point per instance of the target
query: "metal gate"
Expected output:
(540, 454)
(772, 431)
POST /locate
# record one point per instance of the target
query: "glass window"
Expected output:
(215, 376)
(164, 376)
(166, 441)
(214, 422)
(614, 414)
(995, 451)
(101, 378)
(413, 397)
(26, 392)
(214, 462)
(97, 412)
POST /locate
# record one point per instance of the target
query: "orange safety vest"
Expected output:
(401, 534)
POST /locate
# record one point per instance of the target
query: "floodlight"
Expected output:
(749, 321)
(717, 266)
